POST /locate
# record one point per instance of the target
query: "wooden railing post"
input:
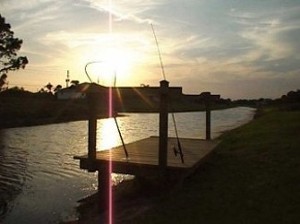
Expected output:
(163, 126)
(92, 127)
(208, 100)
(208, 117)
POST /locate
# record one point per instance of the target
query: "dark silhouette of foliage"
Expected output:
(74, 82)
(49, 87)
(291, 96)
(15, 92)
(9, 45)
(2, 80)
(46, 90)
(57, 88)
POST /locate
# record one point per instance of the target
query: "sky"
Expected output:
(240, 49)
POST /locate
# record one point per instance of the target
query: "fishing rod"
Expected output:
(117, 125)
(178, 142)
(173, 116)
(121, 137)
(159, 54)
(114, 117)
(85, 68)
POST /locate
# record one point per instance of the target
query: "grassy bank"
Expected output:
(252, 177)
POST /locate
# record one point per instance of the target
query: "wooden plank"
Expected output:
(143, 156)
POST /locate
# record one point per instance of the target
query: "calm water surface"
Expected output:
(40, 182)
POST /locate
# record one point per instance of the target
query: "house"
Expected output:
(133, 99)
(69, 93)
(78, 91)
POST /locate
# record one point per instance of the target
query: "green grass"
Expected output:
(252, 177)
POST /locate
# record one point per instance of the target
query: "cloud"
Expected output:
(273, 37)
(213, 42)
(126, 10)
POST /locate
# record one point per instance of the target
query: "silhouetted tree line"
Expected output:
(20, 92)
(291, 97)
(291, 101)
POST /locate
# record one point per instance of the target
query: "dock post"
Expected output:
(163, 126)
(208, 100)
(92, 129)
(206, 96)
(208, 117)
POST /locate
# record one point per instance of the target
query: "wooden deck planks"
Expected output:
(143, 155)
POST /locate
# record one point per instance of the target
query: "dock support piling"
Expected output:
(104, 184)
(163, 126)
(104, 179)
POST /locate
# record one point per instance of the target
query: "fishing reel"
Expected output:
(175, 150)
(178, 152)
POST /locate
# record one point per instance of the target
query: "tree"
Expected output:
(74, 82)
(2, 80)
(57, 88)
(49, 87)
(8, 49)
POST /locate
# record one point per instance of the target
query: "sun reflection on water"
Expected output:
(107, 134)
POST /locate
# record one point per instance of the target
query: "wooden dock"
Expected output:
(143, 156)
(152, 158)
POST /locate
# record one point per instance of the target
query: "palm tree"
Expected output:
(49, 87)
(57, 88)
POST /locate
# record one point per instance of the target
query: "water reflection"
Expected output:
(107, 132)
(13, 166)
(40, 181)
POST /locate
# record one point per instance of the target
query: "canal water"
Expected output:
(40, 182)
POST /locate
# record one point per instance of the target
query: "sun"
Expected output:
(106, 66)
(123, 55)
(119, 59)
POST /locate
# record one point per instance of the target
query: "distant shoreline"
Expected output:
(19, 123)
(30, 122)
